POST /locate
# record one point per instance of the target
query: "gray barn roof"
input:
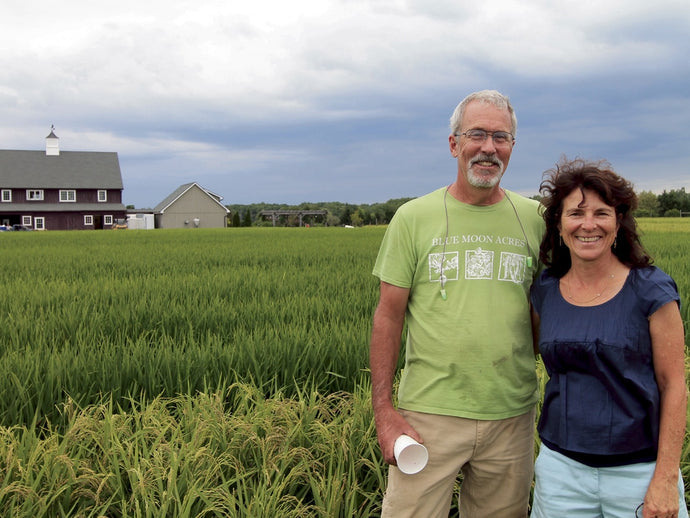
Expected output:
(175, 195)
(68, 170)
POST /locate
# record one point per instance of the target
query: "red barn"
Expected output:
(54, 190)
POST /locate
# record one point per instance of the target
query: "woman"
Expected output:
(611, 337)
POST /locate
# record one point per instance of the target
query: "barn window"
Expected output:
(68, 195)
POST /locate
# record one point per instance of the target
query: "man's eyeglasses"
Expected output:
(500, 138)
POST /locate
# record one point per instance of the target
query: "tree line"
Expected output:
(339, 214)
(673, 203)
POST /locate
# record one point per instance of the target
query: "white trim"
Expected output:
(6, 196)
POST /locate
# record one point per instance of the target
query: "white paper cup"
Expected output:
(410, 455)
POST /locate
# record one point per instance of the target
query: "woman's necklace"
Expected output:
(606, 286)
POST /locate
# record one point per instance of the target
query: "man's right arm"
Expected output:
(383, 357)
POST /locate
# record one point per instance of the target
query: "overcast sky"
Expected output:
(344, 100)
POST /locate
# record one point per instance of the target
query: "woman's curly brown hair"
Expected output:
(613, 189)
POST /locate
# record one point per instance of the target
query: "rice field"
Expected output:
(200, 373)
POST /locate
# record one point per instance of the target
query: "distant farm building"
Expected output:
(140, 220)
(191, 206)
(54, 190)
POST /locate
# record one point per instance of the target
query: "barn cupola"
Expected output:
(52, 144)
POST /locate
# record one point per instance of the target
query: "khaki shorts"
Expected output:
(496, 459)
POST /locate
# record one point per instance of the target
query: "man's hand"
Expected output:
(389, 426)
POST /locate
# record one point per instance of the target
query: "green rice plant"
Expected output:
(162, 313)
(311, 455)
(668, 241)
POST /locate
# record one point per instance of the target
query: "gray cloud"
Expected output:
(333, 100)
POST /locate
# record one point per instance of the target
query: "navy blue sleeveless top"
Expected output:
(601, 402)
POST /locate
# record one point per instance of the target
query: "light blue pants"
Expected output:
(565, 487)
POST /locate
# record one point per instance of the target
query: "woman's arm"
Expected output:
(668, 350)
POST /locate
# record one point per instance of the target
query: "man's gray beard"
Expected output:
(483, 182)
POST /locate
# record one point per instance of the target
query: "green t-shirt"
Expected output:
(471, 354)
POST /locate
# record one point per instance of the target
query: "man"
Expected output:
(457, 265)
